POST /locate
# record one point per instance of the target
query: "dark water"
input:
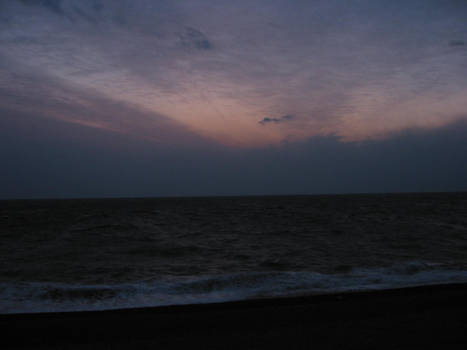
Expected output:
(60, 255)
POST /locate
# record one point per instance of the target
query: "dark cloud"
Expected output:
(193, 38)
(269, 120)
(55, 159)
(52, 5)
(456, 43)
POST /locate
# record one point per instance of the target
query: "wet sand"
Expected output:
(409, 318)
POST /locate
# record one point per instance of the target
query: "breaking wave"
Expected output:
(24, 297)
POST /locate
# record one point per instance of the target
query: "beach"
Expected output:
(417, 317)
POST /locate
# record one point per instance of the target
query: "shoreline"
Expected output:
(415, 316)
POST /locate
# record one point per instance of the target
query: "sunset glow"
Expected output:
(293, 95)
(359, 72)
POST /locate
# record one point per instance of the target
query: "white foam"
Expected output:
(56, 297)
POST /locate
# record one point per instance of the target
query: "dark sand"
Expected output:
(410, 318)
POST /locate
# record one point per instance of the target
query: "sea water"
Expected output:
(94, 254)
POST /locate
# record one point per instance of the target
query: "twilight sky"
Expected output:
(213, 97)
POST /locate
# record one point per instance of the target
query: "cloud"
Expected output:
(45, 159)
(193, 38)
(52, 5)
(37, 95)
(89, 10)
(215, 66)
(282, 119)
(456, 43)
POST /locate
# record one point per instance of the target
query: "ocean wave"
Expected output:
(78, 293)
(56, 297)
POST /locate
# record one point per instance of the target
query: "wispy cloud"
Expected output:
(52, 5)
(57, 99)
(215, 66)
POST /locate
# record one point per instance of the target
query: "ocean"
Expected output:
(96, 254)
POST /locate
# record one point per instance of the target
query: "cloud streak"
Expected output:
(56, 99)
(52, 5)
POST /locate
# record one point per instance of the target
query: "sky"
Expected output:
(118, 98)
